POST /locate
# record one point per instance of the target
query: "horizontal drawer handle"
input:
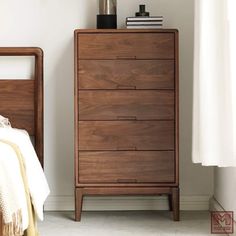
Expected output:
(127, 180)
(126, 118)
(126, 148)
(126, 87)
(126, 57)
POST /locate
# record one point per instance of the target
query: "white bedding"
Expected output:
(38, 186)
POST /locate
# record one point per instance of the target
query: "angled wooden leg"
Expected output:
(170, 202)
(1, 224)
(175, 203)
(78, 203)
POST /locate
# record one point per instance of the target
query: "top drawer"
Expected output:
(126, 46)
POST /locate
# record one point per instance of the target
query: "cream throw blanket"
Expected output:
(37, 183)
(13, 202)
(15, 226)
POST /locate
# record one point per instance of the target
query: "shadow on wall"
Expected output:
(59, 101)
(225, 188)
(64, 120)
(64, 108)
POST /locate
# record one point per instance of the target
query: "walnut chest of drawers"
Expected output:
(126, 114)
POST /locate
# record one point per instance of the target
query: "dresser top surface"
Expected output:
(77, 31)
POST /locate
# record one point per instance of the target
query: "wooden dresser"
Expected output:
(126, 114)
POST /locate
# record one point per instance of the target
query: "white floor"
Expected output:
(131, 223)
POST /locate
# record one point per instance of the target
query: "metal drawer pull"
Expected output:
(125, 87)
(126, 118)
(125, 57)
(126, 148)
(127, 180)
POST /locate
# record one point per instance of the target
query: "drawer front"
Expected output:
(126, 135)
(126, 45)
(126, 74)
(126, 105)
(126, 167)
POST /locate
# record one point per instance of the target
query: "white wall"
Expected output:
(50, 24)
(225, 188)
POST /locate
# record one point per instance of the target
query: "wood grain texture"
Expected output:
(125, 105)
(22, 100)
(39, 104)
(126, 167)
(21, 51)
(125, 191)
(78, 203)
(126, 135)
(126, 74)
(131, 184)
(117, 31)
(111, 68)
(17, 103)
(126, 46)
(175, 204)
(177, 106)
(76, 143)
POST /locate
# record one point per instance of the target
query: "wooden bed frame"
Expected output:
(22, 100)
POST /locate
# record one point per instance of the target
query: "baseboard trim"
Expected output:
(187, 203)
(215, 205)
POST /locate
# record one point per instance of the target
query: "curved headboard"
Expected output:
(22, 100)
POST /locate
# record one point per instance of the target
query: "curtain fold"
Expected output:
(214, 99)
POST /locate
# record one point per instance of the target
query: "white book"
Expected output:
(144, 26)
(150, 18)
(144, 22)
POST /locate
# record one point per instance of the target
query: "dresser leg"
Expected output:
(170, 202)
(1, 224)
(78, 203)
(175, 203)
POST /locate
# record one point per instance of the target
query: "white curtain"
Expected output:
(214, 108)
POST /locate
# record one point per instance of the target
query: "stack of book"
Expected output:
(149, 22)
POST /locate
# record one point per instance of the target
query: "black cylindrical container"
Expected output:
(107, 18)
(106, 21)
